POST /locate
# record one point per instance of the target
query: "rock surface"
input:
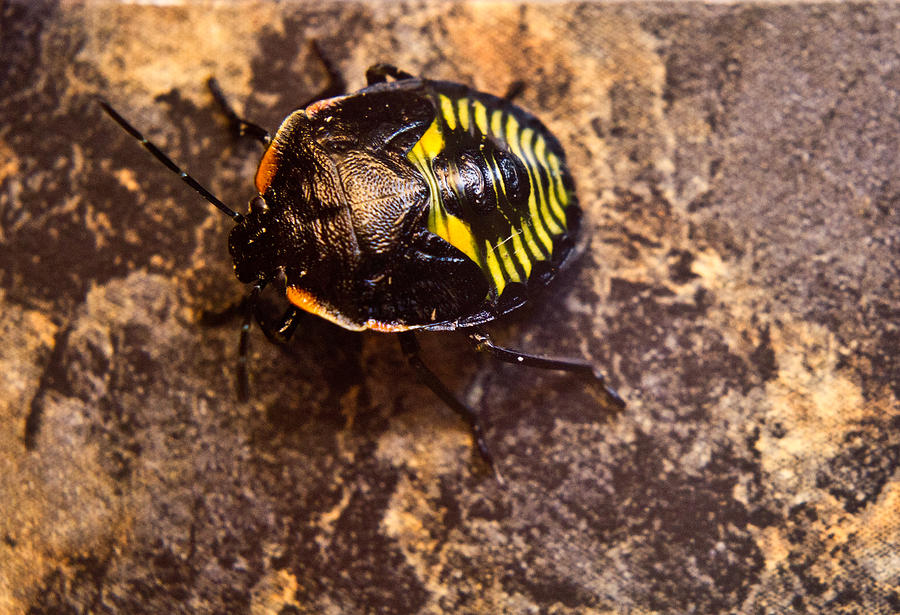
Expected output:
(739, 281)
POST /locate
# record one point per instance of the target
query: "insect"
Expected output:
(408, 205)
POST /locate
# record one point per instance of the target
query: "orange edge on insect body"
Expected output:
(306, 301)
(268, 166)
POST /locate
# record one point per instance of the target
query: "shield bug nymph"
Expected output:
(408, 205)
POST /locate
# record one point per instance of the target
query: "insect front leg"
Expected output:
(250, 309)
(278, 334)
(282, 332)
(483, 343)
(411, 349)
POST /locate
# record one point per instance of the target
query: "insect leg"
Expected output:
(250, 307)
(378, 73)
(282, 332)
(483, 343)
(239, 126)
(411, 349)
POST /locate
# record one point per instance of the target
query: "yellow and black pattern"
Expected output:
(499, 189)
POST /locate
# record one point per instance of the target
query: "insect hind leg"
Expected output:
(483, 343)
(411, 349)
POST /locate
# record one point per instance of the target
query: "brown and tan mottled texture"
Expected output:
(738, 167)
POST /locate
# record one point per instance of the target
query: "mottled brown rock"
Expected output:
(738, 281)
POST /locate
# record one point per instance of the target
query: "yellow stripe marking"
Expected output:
(537, 220)
(480, 116)
(459, 234)
(437, 221)
(506, 259)
(496, 129)
(447, 112)
(493, 266)
(453, 230)
(520, 254)
(540, 152)
(432, 142)
(497, 183)
(530, 241)
(557, 175)
(497, 124)
(545, 215)
(463, 112)
(430, 145)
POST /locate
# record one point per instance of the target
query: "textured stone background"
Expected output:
(738, 167)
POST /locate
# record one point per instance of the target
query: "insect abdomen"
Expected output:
(499, 188)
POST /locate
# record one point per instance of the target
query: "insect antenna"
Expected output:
(159, 155)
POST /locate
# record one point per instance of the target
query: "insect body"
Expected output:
(410, 204)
